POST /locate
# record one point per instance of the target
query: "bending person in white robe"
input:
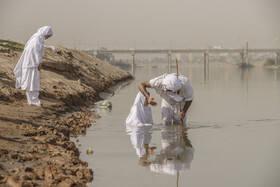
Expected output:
(29, 65)
(168, 86)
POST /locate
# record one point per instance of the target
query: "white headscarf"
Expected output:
(139, 114)
(32, 53)
(171, 82)
(40, 35)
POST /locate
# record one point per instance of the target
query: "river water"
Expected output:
(232, 136)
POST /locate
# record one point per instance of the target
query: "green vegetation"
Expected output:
(269, 62)
(11, 45)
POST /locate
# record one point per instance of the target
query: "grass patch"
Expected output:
(12, 45)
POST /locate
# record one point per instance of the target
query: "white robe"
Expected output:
(170, 100)
(138, 125)
(33, 98)
(139, 114)
(26, 70)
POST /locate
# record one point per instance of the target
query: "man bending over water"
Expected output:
(172, 90)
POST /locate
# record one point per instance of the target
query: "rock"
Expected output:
(69, 172)
(13, 181)
(88, 174)
(80, 174)
(66, 183)
(52, 171)
(89, 151)
(26, 126)
(39, 173)
(30, 176)
(28, 169)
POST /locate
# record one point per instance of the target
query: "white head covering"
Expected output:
(171, 82)
(40, 35)
(45, 31)
(31, 57)
(139, 114)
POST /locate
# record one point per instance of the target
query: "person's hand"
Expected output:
(151, 101)
(182, 114)
(39, 67)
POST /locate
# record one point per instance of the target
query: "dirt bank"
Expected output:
(35, 149)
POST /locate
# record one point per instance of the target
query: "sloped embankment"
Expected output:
(68, 75)
(35, 148)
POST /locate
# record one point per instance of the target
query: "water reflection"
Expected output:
(161, 154)
(175, 155)
(272, 73)
(177, 151)
(141, 137)
(244, 77)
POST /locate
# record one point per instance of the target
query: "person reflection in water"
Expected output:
(177, 152)
(175, 156)
(138, 125)
(141, 137)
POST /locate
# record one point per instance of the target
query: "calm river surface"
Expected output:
(232, 137)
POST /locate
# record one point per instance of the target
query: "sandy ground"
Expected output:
(35, 148)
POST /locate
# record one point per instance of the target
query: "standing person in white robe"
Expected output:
(167, 86)
(29, 65)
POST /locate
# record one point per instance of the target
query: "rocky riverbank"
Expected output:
(35, 146)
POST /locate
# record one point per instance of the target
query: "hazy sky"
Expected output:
(143, 23)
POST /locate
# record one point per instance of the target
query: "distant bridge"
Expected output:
(167, 51)
(244, 54)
